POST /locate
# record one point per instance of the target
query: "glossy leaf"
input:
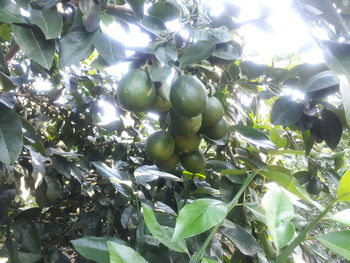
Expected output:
(49, 21)
(159, 73)
(198, 217)
(94, 248)
(284, 178)
(162, 233)
(165, 11)
(91, 14)
(277, 139)
(331, 128)
(166, 53)
(110, 50)
(308, 141)
(279, 212)
(75, 46)
(10, 13)
(197, 52)
(242, 239)
(137, 6)
(34, 45)
(145, 174)
(254, 136)
(11, 137)
(215, 35)
(123, 254)
(226, 51)
(342, 217)
(337, 242)
(120, 183)
(286, 111)
(322, 84)
(343, 193)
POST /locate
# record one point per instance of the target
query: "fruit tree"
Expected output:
(185, 149)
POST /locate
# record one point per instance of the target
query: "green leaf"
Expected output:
(94, 248)
(342, 217)
(31, 137)
(120, 182)
(215, 35)
(136, 6)
(208, 260)
(159, 73)
(277, 139)
(279, 212)
(254, 136)
(308, 141)
(110, 50)
(75, 46)
(49, 21)
(165, 11)
(343, 193)
(153, 25)
(10, 13)
(242, 239)
(226, 51)
(123, 254)
(166, 53)
(285, 111)
(11, 137)
(162, 233)
(197, 52)
(33, 44)
(339, 242)
(322, 84)
(5, 32)
(198, 217)
(331, 128)
(284, 178)
(337, 58)
(91, 14)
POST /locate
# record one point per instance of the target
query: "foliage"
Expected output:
(74, 188)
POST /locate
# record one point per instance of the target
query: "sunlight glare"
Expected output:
(133, 38)
(42, 85)
(108, 113)
(118, 70)
(174, 25)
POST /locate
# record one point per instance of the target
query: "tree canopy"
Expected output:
(181, 150)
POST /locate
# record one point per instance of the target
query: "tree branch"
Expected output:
(12, 52)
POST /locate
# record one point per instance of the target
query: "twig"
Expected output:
(12, 52)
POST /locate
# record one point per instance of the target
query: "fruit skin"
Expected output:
(170, 163)
(194, 162)
(188, 96)
(181, 125)
(213, 112)
(314, 186)
(187, 144)
(160, 146)
(136, 91)
(161, 101)
(218, 131)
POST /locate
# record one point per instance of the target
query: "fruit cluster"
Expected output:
(191, 113)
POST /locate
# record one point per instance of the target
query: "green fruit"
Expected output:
(188, 96)
(187, 144)
(182, 125)
(194, 162)
(170, 163)
(314, 186)
(160, 146)
(302, 176)
(213, 112)
(136, 91)
(218, 131)
(161, 101)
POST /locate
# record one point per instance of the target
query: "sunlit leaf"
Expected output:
(197, 52)
(162, 233)
(123, 254)
(49, 21)
(198, 217)
(343, 193)
(338, 242)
